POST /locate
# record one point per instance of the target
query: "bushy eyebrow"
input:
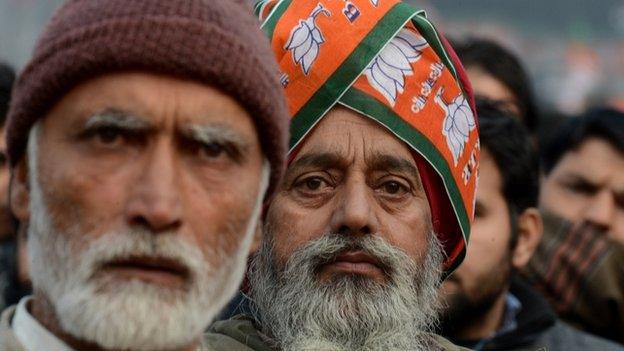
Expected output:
(112, 117)
(214, 133)
(234, 144)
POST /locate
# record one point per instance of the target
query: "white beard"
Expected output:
(129, 315)
(350, 312)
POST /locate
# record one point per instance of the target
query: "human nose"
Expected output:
(354, 212)
(155, 198)
(600, 210)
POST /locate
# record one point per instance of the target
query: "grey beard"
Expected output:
(350, 312)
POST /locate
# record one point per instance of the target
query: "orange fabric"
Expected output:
(430, 119)
(335, 48)
(416, 76)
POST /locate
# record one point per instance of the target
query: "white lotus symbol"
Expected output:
(306, 39)
(458, 123)
(388, 70)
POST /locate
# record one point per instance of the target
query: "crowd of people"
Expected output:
(303, 175)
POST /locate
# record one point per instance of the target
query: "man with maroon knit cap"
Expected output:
(143, 137)
(377, 199)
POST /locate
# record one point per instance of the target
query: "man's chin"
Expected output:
(130, 314)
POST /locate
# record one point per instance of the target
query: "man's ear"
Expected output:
(257, 238)
(20, 191)
(530, 229)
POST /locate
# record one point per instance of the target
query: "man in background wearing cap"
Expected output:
(143, 137)
(376, 202)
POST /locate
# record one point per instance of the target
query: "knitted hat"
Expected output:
(214, 42)
(386, 61)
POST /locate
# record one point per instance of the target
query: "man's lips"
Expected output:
(356, 262)
(157, 270)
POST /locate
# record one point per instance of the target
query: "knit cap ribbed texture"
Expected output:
(214, 42)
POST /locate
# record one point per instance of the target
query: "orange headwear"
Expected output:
(385, 60)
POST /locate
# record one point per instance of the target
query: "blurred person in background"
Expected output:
(497, 74)
(384, 145)
(7, 230)
(584, 171)
(487, 305)
(580, 263)
(14, 284)
(14, 278)
(143, 137)
(18, 284)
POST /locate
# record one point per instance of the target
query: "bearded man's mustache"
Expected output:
(301, 311)
(344, 245)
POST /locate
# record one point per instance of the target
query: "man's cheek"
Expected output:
(222, 231)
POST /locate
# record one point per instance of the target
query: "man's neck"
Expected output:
(486, 324)
(43, 311)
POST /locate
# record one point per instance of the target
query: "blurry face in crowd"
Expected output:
(484, 275)
(5, 218)
(486, 85)
(142, 200)
(479, 284)
(349, 260)
(587, 185)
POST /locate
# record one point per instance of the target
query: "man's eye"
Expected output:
(108, 135)
(312, 184)
(394, 188)
(581, 188)
(212, 150)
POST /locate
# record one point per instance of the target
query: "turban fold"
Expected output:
(385, 60)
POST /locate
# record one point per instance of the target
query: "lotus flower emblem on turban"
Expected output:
(458, 122)
(305, 40)
(388, 70)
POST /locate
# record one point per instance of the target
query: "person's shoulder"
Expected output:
(439, 343)
(235, 334)
(562, 336)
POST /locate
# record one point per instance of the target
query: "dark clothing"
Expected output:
(538, 328)
(581, 273)
(11, 291)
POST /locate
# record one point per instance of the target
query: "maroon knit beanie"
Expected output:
(214, 42)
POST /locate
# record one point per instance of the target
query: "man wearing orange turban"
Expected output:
(378, 198)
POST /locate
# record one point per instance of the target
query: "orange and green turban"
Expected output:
(385, 60)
